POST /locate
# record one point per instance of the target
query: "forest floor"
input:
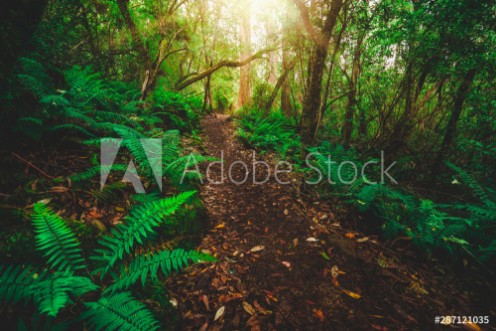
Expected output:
(292, 263)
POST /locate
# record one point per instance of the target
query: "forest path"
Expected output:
(287, 264)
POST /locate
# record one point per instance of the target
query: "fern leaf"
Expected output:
(53, 293)
(72, 127)
(56, 240)
(15, 283)
(94, 171)
(148, 266)
(137, 227)
(119, 312)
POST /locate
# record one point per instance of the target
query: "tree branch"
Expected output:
(221, 64)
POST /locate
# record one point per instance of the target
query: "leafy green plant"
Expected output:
(273, 132)
(67, 278)
(177, 111)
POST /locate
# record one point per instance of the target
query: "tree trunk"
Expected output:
(140, 46)
(352, 86)
(312, 97)
(280, 82)
(244, 94)
(450, 134)
(285, 88)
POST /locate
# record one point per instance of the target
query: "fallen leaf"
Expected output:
(417, 288)
(117, 208)
(312, 239)
(352, 294)
(334, 271)
(286, 212)
(248, 308)
(220, 226)
(94, 214)
(350, 235)
(325, 256)
(204, 299)
(471, 326)
(319, 314)
(229, 297)
(362, 240)
(271, 296)
(286, 264)
(219, 313)
(58, 189)
(257, 248)
(261, 309)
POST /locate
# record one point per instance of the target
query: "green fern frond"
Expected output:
(146, 198)
(119, 312)
(80, 116)
(94, 171)
(478, 190)
(148, 266)
(32, 85)
(55, 100)
(54, 292)
(56, 240)
(72, 127)
(30, 120)
(109, 192)
(137, 227)
(113, 117)
(16, 282)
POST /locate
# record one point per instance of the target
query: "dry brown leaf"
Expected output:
(230, 297)
(312, 240)
(271, 296)
(352, 294)
(286, 264)
(219, 313)
(471, 326)
(261, 309)
(350, 235)
(335, 282)
(362, 240)
(319, 314)
(248, 308)
(204, 299)
(257, 248)
(334, 271)
(58, 189)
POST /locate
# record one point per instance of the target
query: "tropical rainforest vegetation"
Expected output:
(406, 83)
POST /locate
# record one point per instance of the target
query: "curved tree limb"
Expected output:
(226, 63)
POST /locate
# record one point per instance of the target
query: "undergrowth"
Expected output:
(459, 228)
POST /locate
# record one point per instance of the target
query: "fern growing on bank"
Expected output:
(137, 228)
(67, 278)
(265, 133)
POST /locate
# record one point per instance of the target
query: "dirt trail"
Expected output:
(287, 264)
